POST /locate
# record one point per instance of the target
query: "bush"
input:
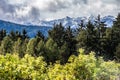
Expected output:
(81, 67)
(85, 67)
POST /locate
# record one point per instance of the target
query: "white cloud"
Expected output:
(28, 10)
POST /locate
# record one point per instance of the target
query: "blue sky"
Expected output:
(33, 10)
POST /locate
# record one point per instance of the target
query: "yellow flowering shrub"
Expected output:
(81, 67)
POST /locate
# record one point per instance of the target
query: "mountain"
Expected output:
(31, 29)
(45, 26)
(73, 22)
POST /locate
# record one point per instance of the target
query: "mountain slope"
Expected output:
(31, 30)
(45, 26)
(73, 22)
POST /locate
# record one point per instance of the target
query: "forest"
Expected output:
(90, 52)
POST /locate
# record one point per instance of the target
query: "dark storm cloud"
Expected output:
(118, 1)
(34, 13)
(7, 8)
(80, 1)
(54, 6)
(57, 5)
(36, 9)
(13, 11)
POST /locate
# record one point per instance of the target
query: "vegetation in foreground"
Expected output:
(81, 67)
(57, 57)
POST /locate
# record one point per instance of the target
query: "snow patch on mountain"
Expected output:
(45, 26)
(73, 22)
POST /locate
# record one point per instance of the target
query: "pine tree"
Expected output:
(52, 51)
(90, 43)
(100, 38)
(39, 36)
(12, 35)
(40, 49)
(2, 34)
(117, 53)
(70, 40)
(81, 39)
(57, 34)
(24, 34)
(24, 47)
(64, 53)
(17, 46)
(31, 47)
(6, 45)
(116, 35)
(18, 35)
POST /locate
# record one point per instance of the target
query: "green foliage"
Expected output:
(81, 67)
(57, 34)
(24, 61)
(17, 46)
(39, 36)
(40, 48)
(51, 52)
(117, 53)
(6, 45)
(31, 47)
(2, 34)
(84, 67)
(27, 68)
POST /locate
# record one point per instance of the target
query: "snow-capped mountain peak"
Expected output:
(73, 22)
(45, 26)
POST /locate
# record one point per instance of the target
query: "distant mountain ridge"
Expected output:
(73, 22)
(45, 26)
(31, 29)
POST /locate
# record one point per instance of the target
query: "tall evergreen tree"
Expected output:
(24, 47)
(17, 47)
(12, 35)
(91, 35)
(2, 34)
(117, 53)
(57, 34)
(116, 35)
(40, 49)
(18, 35)
(39, 36)
(31, 47)
(24, 34)
(70, 40)
(52, 51)
(6, 45)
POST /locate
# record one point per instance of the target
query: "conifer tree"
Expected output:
(39, 36)
(24, 34)
(52, 51)
(31, 47)
(6, 45)
(64, 53)
(2, 34)
(57, 34)
(70, 40)
(17, 48)
(24, 47)
(81, 36)
(116, 36)
(117, 53)
(18, 35)
(12, 35)
(40, 49)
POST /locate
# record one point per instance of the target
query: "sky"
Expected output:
(34, 10)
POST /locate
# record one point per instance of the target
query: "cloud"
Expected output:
(6, 8)
(34, 13)
(57, 5)
(80, 1)
(31, 10)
